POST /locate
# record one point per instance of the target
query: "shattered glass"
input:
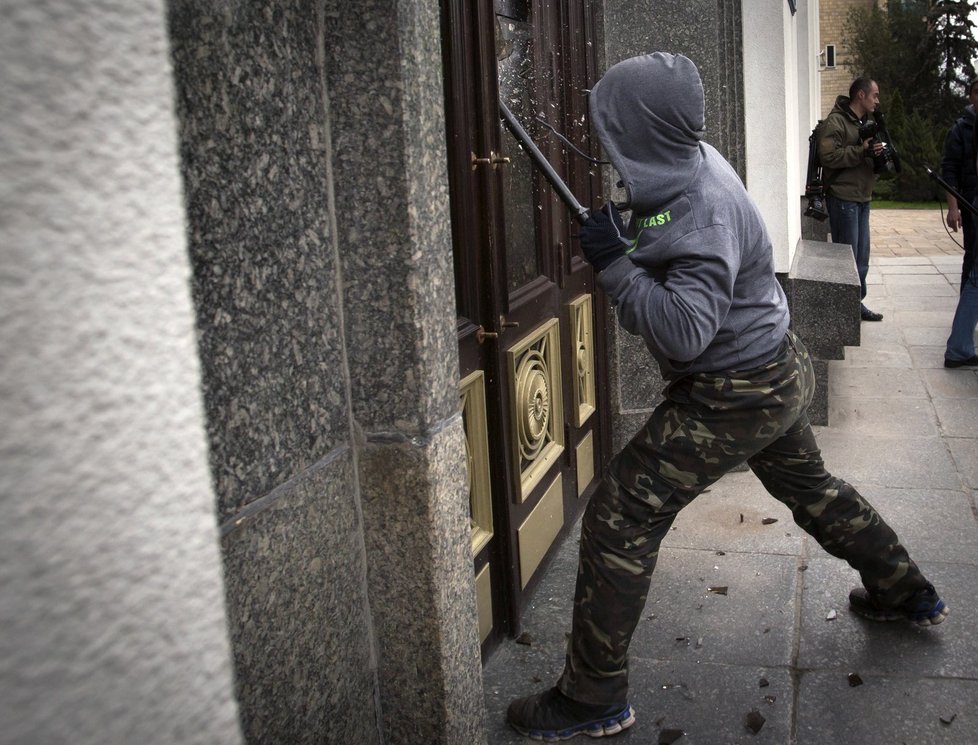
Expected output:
(515, 66)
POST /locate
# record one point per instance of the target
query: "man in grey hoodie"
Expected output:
(694, 276)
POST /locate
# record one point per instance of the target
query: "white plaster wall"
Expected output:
(809, 94)
(111, 597)
(771, 87)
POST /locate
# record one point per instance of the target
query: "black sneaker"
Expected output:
(970, 362)
(551, 716)
(867, 315)
(923, 607)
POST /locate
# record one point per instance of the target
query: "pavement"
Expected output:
(781, 641)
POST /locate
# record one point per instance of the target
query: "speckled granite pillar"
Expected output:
(255, 149)
(313, 150)
(709, 33)
(384, 67)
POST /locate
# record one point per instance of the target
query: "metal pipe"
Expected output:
(581, 214)
(963, 202)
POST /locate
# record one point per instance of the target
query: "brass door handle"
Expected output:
(481, 335)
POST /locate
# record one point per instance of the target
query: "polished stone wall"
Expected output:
(256, 161)
(313, 147)
(384, 67)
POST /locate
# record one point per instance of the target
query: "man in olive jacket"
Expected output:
(847, 165)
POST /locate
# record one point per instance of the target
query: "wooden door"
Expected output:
(530, 358)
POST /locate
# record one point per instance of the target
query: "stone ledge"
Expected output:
(823, 296)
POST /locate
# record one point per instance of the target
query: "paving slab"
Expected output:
(904, 416)
(850, 643)
(920, 268)
(874, 382)
(946, 383)
(886, 710)
(709, 703)
(935, 336)
(685, 621)
(948, 260)
(876, 335)
(922, 276)
(898, 260)
(731, 517)
(929, 356)
(908, 317)
(958, 418)
(884, 354)
(965, 454)
(939, 288)
(899, 462)
(943, 304)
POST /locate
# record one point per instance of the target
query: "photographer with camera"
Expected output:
(852, 153)
(958, 169)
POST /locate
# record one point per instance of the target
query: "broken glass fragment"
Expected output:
(754, 721)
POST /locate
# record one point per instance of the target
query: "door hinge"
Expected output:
(495, 160)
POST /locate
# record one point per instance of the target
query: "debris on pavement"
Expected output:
(769, 521)
(525, 639)
(754, 721)
(669, 736)
(855, 680)
(682, 688)
(831, 615)
(946, 720)
(719, 590)
(763, 683)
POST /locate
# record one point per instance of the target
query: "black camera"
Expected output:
(874, 130)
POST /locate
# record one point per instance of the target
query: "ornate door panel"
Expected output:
(531, 378)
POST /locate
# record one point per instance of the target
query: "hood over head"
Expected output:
(650, 115)
(842, 103)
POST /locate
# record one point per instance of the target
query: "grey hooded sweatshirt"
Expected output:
(698, 281)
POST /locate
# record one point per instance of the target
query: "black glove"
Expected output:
(602, 238)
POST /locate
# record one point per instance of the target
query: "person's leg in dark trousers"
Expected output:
(836, 515)
(860, 246)
(846, 222)
(707, 425)
(969, 237)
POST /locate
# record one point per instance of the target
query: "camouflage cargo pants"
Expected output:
(707, 425)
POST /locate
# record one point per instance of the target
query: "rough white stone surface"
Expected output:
(775, 50)
(111, 597)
